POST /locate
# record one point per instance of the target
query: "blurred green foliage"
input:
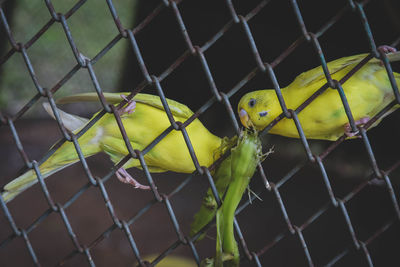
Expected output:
(92, 28)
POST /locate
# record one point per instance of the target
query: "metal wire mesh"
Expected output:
(217, 97)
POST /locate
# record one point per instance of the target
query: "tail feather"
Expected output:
(65, 156)
(71, 122)
(26, 180)
(394, 56)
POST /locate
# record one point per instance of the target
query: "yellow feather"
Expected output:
(142, 126)
(368, 91)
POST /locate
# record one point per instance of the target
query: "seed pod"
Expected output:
(209, 205)
(222, 177)
(244, 159)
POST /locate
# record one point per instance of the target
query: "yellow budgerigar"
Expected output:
(368, 91)
(144, 119)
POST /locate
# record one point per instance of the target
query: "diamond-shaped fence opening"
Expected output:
(322, 203)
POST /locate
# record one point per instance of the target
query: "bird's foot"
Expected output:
(130, 107)
(125, 177)
(387, 49)
(347, 127)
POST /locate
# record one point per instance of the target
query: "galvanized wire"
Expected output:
(217, 97)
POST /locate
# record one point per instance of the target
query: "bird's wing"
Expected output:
(317, 73)
(176, 108)
(335, 66)
(116, 149)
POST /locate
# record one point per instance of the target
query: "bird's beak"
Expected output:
(244, 118)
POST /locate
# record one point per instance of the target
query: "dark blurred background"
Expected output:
(230, 59)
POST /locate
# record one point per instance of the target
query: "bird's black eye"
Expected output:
(252, 102)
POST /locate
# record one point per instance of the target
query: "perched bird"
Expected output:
(368, 91)
(144, 119)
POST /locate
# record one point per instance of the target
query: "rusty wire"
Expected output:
(218, 98)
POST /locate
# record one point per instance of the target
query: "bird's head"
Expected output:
(256, 109)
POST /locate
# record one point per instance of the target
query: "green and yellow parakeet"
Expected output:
(142, 126)
(368, 91)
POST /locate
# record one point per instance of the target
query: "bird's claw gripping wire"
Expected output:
(347, 127)
(125, 177)
(387, 49)
(130, 106)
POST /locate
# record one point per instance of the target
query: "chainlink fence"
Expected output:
(295, 240)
